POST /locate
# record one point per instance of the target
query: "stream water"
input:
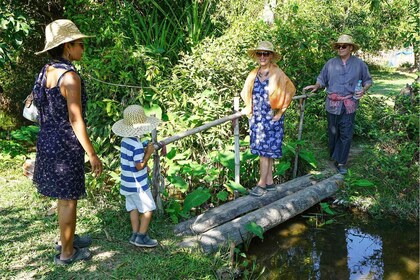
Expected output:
(352, 247)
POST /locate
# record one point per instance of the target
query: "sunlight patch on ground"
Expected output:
(388, 101)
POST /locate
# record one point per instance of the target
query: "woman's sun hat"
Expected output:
(59, 32)
(135, 122)
(345, 39)
(264, 46)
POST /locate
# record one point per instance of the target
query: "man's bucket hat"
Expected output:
(346, 39)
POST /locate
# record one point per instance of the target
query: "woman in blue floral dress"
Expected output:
(60, 97)
(267, 93)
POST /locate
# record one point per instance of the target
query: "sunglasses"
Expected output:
(82, 44)
(342, 47)
(265, 54)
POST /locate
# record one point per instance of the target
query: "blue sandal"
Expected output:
(258, 191)
(271, 187)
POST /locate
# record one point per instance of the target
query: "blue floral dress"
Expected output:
(59, 166)
(266, 135)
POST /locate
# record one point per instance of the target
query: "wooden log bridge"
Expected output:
(224, 225)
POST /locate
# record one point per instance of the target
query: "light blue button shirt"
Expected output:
(341, 78)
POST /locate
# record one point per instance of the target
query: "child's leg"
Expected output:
(145, 221)
(135, 222)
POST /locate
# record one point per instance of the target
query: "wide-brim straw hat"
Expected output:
(264, 46)
(59, 32)
(134, 122)
(345, 39)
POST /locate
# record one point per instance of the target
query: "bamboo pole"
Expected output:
(198, 129)
(156, 176)
(236, 137)
(302, 113)
(206, 126)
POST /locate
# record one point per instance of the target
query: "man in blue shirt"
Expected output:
(339, 77)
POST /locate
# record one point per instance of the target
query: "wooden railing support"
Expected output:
(156, 191)
(236, 137)
(302, 112)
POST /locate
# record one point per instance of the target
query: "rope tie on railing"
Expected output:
(162, 147)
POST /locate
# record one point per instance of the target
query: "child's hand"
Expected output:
(150, 148)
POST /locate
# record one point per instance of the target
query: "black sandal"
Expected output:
(81, 254)
(78, 241)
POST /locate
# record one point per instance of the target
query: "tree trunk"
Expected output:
(240, 206)
(266, 217)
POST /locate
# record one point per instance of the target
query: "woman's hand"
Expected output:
(96, 165)
(276, 118)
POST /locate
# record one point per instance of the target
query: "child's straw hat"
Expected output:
(135, 122)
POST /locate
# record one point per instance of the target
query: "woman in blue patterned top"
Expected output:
(59, 94)
(267, 94)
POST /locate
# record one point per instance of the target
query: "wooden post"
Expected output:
(156, 177)
(302, 111)
(236, 137)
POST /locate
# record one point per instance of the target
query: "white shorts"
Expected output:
(142, 201)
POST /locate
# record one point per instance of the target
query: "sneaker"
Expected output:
(81, 254)
(341, 169)
(143, 240)
(78, 242)
(258, 191)
(271, 187)
(132, 239)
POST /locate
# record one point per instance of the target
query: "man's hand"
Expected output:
(359, 94)
(312, 88)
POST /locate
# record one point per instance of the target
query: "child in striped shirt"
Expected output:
(134, 177)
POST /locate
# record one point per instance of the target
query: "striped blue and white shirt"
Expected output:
(132, 180)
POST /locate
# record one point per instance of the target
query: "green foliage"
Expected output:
(323, 218)
(253, 228)
(185, 61)
(326, 208)
(18, 142)
(12, 148)
(14, 27)
(26, 134)
(21, 28)
(232, 187)
(194, 199)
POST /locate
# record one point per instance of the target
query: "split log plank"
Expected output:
(267, 217)
(240, 206)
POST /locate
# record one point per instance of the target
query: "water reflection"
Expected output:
(351, 248)
(364, 255)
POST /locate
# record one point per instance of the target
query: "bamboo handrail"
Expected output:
(195, 130)
(232, 117)
(206, 126)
